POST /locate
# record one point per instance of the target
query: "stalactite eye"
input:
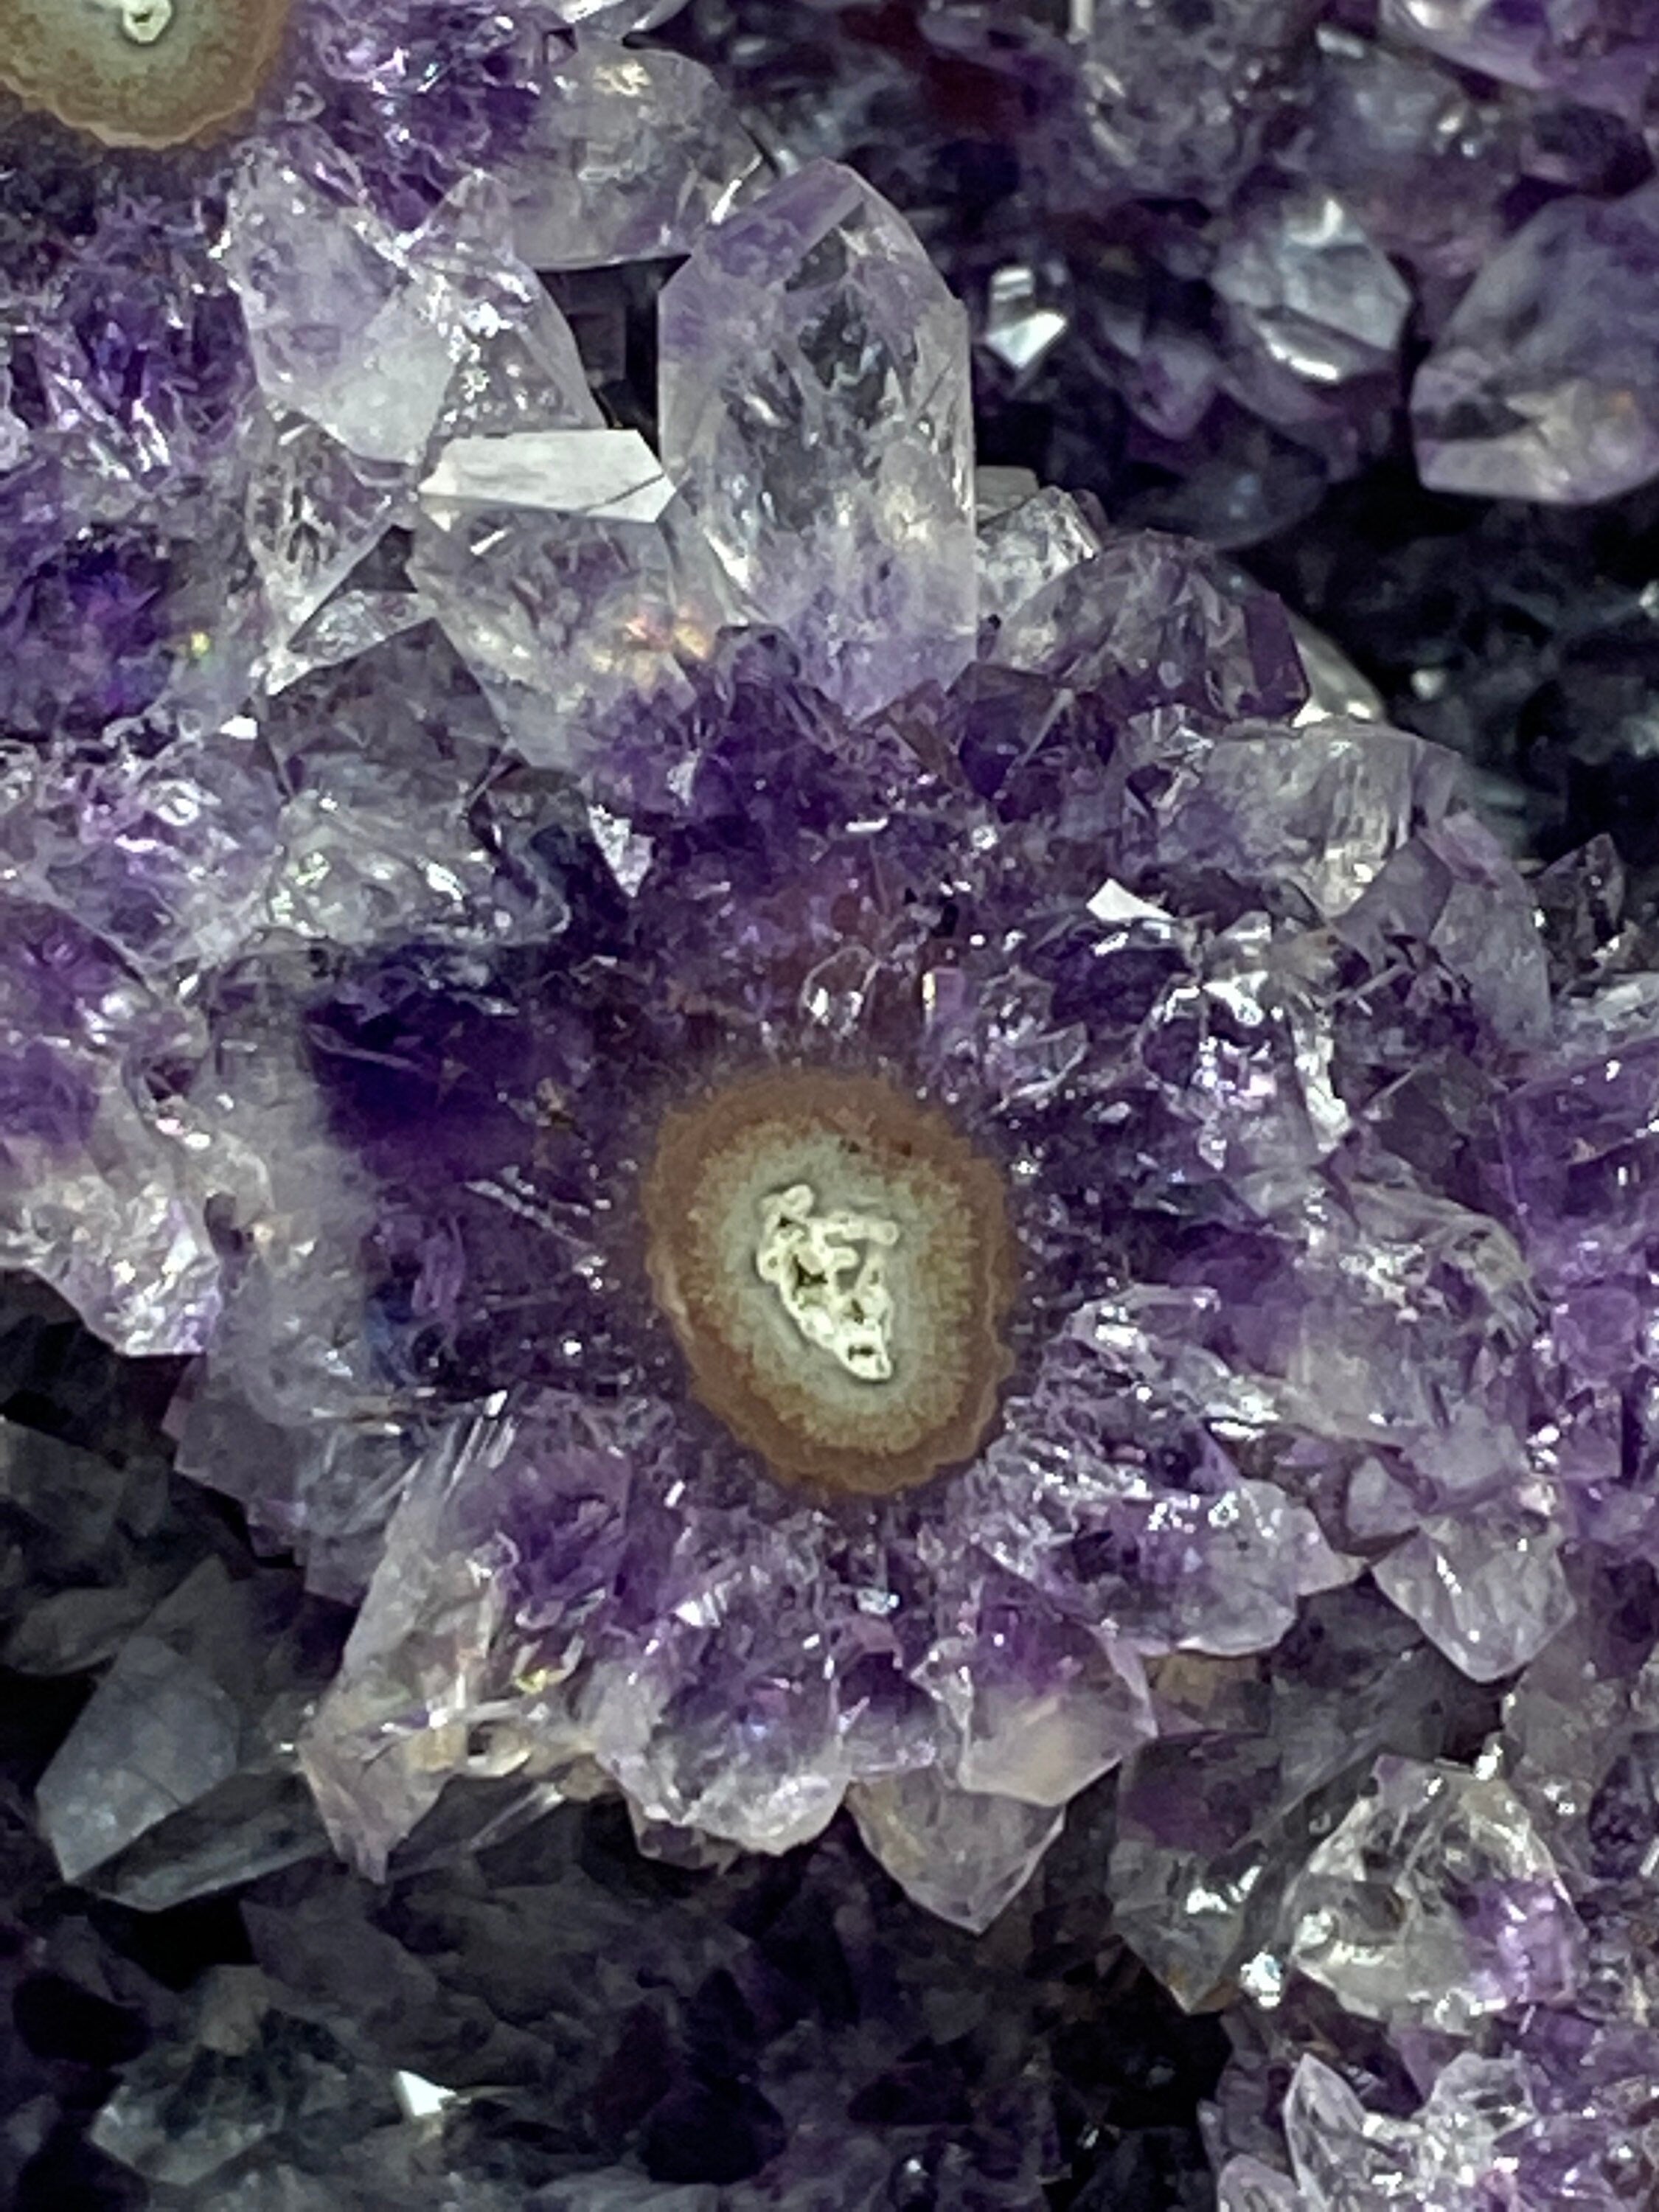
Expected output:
(836, 1263)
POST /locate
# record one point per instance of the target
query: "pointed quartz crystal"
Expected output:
(817, 418)
(337, 330)
(1542, 383)
(630, 153)
(550, 559)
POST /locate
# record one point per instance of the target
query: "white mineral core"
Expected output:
(829, 1271)
(144, 22)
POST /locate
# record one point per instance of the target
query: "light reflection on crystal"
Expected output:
(817, 418)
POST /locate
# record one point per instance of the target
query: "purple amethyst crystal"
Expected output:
(1119, 960)
(1541, 384)
(849, 1153)
(1181, 107)
(804, 1210)
(1473, 1879)
(675, 1524)
(1475, 2026)
(87, 636)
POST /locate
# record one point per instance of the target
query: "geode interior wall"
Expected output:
(826, 1074)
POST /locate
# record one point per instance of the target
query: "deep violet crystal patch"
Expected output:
(925, 1281)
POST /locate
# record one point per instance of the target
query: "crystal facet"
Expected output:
(1541, 384)
(815, 418)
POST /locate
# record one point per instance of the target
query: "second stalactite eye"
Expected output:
(140, 72)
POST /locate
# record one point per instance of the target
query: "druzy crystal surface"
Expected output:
(862, 1266)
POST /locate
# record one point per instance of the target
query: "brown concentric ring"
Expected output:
(870, 1145)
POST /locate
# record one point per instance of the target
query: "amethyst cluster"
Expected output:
(834, 1133)
(1221, 256)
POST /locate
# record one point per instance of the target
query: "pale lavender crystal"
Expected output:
(1584, 1709)
(1182, 109)
(338, 330)
(1211, 1561)
(147, 403)
(1581, 1731)
(314, 508)
(349, 627)
(1498, 1922)
(520, 368)
(1542, 383)
(1303, 282)
(381, 760)
(1489, 1588)
(1446, 2159)
(1063, 595)
(631, 153)
(1575, 1138)
(1602, 52)
(163, 842)
(1245, 2185)
(324, 1488)
(1532, 2128)
(1042, 1707)
(567, 579)
(386, 338)
(411, 1704)
(1257, 1759)
(1297, 822)
(816, 417)
(1469, 1919)
(1032, 545)
(1421, 159)
(98, 1192)
(960, 1856)
(14, 431)
(1339, 2152)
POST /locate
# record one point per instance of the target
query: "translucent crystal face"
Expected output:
(140, 72)
(836, 1263)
